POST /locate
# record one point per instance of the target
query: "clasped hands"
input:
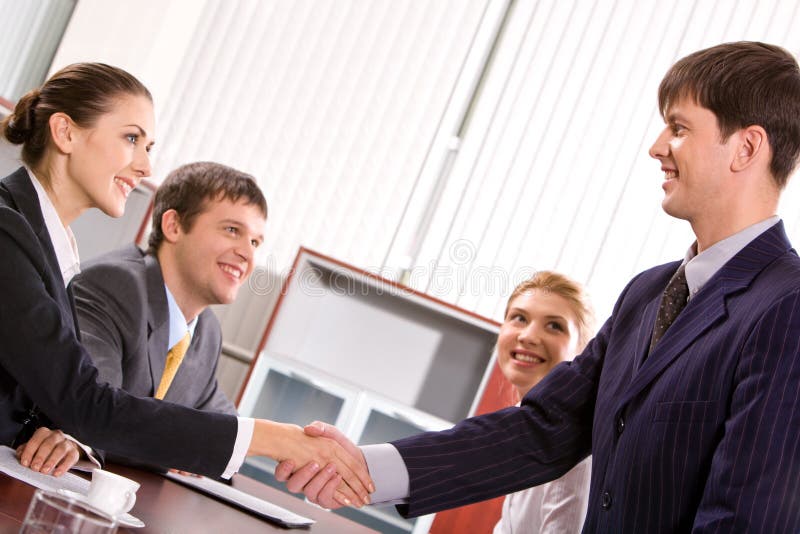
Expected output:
(326, 485)
(332, 472)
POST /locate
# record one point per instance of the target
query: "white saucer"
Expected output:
(126, 520)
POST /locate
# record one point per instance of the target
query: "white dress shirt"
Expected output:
(61, 236)
(556, 507)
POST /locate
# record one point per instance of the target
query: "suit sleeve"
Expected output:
(754, 481)
(217, 401)
(96, 304)
(41, 354)
(512, 449)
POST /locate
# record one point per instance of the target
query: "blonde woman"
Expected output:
(548, 320)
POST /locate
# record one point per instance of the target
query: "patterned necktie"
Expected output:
(672, 302)
(174, 359)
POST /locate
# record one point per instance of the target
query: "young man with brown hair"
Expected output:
(144, 317)
(690, 409)
(134, 307)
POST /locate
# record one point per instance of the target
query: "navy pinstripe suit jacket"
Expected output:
(701, 435)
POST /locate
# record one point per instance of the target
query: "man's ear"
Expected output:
(171, 226)
(63, 132)
(753, 146)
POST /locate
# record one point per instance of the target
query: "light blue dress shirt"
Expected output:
(178, 326)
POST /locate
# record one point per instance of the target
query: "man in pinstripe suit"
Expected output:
(695, 431)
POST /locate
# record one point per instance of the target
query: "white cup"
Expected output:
(112, 493)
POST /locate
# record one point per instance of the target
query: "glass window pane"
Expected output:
(289, 399)
(381, 428)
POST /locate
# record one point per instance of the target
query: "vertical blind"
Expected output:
(554, 172)
(30, 36)
(332, 105)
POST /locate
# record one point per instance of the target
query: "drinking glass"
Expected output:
(52, 513)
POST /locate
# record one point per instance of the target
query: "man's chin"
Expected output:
(228, 297)
(672, 210)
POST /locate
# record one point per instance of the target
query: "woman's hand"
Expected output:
(49, 452)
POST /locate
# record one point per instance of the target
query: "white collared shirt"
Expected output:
(701, 267)
(61, 236)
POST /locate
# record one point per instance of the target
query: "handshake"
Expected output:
(319, 461)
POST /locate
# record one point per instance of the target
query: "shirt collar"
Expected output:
(177, 322)
(61, 236)
(701, 267)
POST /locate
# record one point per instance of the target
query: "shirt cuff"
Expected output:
(91, 460)
(388, 472)
(244, 435)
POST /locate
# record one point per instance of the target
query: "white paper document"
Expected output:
(67, 484)
(243, 500)
(11, 466)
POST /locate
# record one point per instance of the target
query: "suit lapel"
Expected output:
(708, 307)
(71, 298)
(646, 326)
(700, 314)
(178, 390)
(157, 319)
(24, 195)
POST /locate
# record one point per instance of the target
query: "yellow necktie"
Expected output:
(174, 359)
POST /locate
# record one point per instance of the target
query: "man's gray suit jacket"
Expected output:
(122, 311)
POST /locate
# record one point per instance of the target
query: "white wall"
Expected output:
(149, 38)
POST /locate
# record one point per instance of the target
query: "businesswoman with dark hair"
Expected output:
(85, 137)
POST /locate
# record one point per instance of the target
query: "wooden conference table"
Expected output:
(167, 507)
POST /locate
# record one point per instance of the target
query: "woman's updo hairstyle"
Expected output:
(83, 91)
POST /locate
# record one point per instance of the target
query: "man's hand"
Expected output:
(324, 487)
(317, 446)
(49, 452)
